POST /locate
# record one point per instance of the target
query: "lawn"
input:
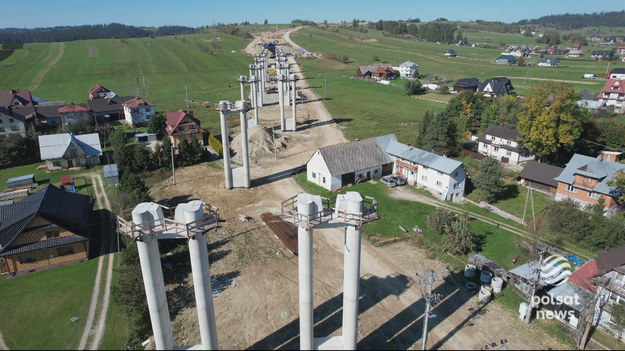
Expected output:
(43, 177)
(54, 296)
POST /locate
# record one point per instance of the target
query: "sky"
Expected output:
(197, 13)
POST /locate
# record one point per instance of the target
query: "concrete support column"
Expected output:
(306, 208)
(150, 260)
(198, 250)
(305, 262)
(243, 80)
(254, 98)
(245, 147)
(351, 284)
(225, 142)
(281, 101)
(294, 101)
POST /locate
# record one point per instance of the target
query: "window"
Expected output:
(324, 180)
(508, 153)
(484, 146)
(593, 195)
(11, 120)
(440, 173)
(52, 234)
(56, 163)
(28, 257)
(508, 142)
(439, 183)
(495, 148)
(73, 153)
(375, 172)
(15, 128)
(313, 175)
(2, 129)
(424, 178)
(65, 250)
(456, 185)
(571, 188)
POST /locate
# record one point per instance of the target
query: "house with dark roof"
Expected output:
(617, 73)
(502, 143)
(183, 125)
(585, 180)
(73, 113)
(551, 61)
(367, 71)
(138, 111)
(49, 228)
(62, 151)
(540, 176)
(108, 109)
(462, 84)
(444, 177)
(335, 166)
(601, 54)
(47, 113)
(14, 98)
(496, 87)
(613, 94)
(506, 60)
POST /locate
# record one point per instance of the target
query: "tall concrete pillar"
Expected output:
(351, 273)
(245, 146)
(187, 213)
(243, 80)
(150, 260)
(225, 142)
(293, 79)
(305, 208)
(281, 101)
(254, 98)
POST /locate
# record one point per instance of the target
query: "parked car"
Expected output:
(389, 181)
(398, 180)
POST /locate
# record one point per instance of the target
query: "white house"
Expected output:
(335, 166)
(408, 69)
(61, 151)
(548, 62)
(439, 175)
(11, 124)
(613, 94)
(617, 73)
(138, 111)
(502, 143)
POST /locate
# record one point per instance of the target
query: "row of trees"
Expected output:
(100, 31)
(576, 21)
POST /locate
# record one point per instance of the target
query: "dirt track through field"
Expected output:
(55, 55)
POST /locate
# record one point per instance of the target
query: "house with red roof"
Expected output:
(73, 113)
(183, 125)
(137, 111)
(613, 94)
(99, 92)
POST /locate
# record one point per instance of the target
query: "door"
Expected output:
(70, 164)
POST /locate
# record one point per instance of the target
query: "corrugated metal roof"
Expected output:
(44, 244)
(54, 146)
(422, 157)
(593, 168)
(30, 177)
(356, 155)
(110, 171)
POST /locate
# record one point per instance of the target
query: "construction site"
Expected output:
(272, 290)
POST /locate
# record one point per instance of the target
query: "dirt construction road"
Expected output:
(255, 277)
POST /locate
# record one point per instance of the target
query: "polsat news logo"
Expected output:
(556, 270)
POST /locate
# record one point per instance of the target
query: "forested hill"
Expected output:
(102, 31)
(571, 21)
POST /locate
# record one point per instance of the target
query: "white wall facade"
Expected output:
(138, 115)
(436, 182)
(407, 70)
(10, 125)
(496, 151)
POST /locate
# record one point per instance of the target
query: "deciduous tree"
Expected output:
(550, 120)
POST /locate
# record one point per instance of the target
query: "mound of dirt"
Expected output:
(260, 144)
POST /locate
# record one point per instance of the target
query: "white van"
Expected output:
(590, 76)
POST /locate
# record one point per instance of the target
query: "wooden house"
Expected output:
(49, 228)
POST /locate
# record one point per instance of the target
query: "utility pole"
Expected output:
(186, 93)
(530, 194)
(325, 87)
(173, 169)
(428, 279)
